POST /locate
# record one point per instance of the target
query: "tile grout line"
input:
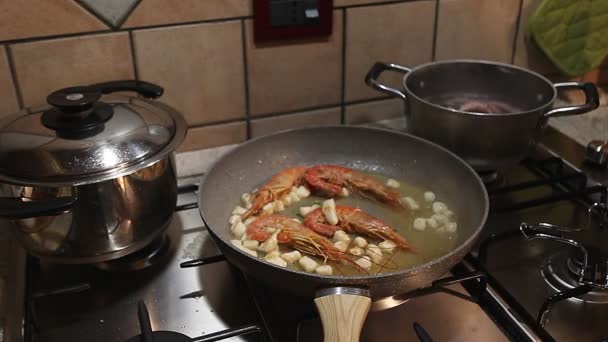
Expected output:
(110, 29)
(133, 55)
(289, 113)
(127, 14)
(343, 71)
(517, 22)
(92, 12)
(11, 68)
(246, 80)
(435, 27)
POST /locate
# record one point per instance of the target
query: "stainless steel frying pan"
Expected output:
(343, 301)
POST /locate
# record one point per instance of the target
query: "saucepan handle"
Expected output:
(15, 209)
(592, 99)
(371, 79)
(343, 311)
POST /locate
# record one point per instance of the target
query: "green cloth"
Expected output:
(573, 34)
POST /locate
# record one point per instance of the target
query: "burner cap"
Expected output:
(163, 336)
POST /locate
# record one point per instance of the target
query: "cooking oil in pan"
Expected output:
(431, 242)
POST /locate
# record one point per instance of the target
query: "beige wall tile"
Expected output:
(341, 3)
(265, 126)
(482, 29)
(8, 98)
(373, 111)
(157, 12)
(45, 66)
(291, 76)
(526, 54)
(37, 18)
(200, 67)
(210, 136)
(400, 33)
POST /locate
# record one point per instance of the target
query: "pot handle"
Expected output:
(343, 311)
(14, 208)
(592, 100)
(371, 79)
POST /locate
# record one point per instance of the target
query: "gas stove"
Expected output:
(539, 273)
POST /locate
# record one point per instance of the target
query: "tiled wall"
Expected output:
(229, 89)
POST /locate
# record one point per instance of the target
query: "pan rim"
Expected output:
(363, 279)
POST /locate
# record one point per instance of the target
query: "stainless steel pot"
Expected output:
(87, 181)
(490, 114)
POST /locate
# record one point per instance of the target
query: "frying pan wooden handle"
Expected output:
(343, 312)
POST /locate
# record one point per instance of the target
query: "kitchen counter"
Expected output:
(581, 129)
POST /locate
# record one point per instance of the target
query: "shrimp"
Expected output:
(279, 185)
(354, 220)
(297, 236)
(329, 180)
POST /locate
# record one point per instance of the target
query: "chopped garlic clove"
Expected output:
(272, 244)
(374, 252)
(237, 243)
(286, 200)
(340, 235)
(249, 220)
(439, 207)
(451, 227)
(296, 220)
(392, 183)
(419, 224)
(303, 192)
(251, 244)
(329, 211)
(234, 218)
(291, 257)
(342, 246)
(246, 200)
(364, 263)
(356, 251)
(278, 262)
(324, 270)
(440, 218)
(246, 250)
(307, 264)
(429, 196)
(410, 203)
(432, 223)
(360, 242)
(387, 246)
(238, 229)
(272, 255)
(305, 210)
(344, 192)
(268, 209)
(238, 210)
(294, 197)
(278, 206)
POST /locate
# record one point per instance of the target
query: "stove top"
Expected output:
(523, 282)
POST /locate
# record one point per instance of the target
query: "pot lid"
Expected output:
(81, 139)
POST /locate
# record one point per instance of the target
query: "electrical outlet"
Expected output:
(291, 19)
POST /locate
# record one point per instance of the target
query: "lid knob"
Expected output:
(74, 99)
(77, 112)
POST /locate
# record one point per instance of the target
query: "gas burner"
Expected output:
(145, 257)
(561, 272)
(587, 264)
(147, 335)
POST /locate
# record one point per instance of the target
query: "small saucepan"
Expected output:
(488, 113)
(343, 301)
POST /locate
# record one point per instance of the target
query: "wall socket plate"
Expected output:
(278, 20)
